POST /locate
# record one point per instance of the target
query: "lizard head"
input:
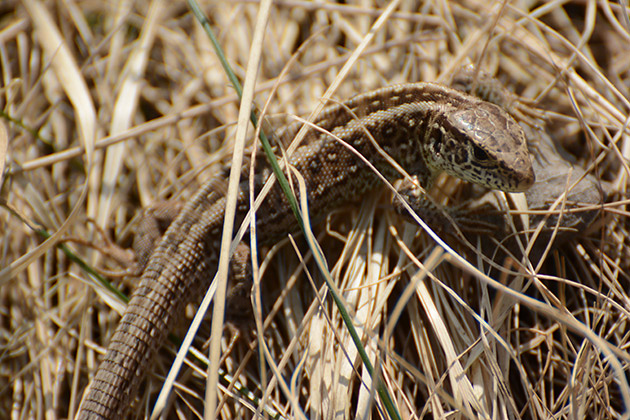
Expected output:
(480, 143)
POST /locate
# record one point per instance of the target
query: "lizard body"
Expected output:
(427, 128)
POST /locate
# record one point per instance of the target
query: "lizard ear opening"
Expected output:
(435, 142)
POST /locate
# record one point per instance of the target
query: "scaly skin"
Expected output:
(427, 128)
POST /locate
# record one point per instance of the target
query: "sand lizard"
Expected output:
(427, 128)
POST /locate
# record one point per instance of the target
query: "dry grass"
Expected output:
(137, 86)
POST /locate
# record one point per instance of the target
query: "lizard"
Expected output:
(426, 128)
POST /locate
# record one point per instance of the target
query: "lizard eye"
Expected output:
(479, 153)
